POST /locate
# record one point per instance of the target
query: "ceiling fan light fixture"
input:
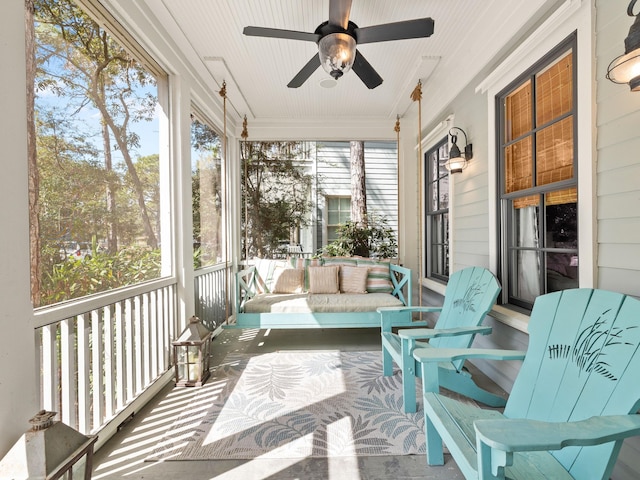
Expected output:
(337, 53)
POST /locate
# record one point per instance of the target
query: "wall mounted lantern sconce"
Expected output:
(458, 160)
(626, 68)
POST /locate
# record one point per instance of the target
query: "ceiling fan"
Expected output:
(337, 39)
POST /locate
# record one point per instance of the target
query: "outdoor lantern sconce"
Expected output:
(191, 354)
(458, 160)
(626, 68)
(50, 450)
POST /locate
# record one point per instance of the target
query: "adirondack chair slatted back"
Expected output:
(582, 361)
(469, 296)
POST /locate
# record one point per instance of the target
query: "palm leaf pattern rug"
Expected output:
(295, 404)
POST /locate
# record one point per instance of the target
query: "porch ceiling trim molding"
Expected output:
(513, 61)
(438, 131)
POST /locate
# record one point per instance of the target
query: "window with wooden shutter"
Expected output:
(538, 181)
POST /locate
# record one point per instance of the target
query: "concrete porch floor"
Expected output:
(123, 455)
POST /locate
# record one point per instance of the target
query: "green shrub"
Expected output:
(69, 279)
(375, 239)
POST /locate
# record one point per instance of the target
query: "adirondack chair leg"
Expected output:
(387, 359)
(408, 366)
(462, 383)
(387, 363)
(435, 455)
(488, 457)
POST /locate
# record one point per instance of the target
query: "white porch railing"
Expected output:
(98, 354)
(211, 290)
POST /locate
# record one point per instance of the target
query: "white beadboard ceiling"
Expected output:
(467, 35)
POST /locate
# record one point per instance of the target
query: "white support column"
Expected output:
(19, 376)
(182, 222)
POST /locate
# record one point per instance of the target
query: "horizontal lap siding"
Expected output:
(617, 183)
(381, 174)
(618, 167)
(470, 235)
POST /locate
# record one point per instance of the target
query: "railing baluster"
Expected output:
(97, 365)
(153, 334)
(162, 319)
(137, 344)
(49, 375)
(128, 354)
(121, 372)
(109, 365)
(84, 372)
(68, 372)
(146, 340)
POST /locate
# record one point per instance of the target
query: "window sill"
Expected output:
(434, 285)
(511, 318)
(508, 316)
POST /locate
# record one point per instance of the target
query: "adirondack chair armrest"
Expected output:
(387, 313)
(434, 355)
(430, 357)
(498, 439)
(423, 333)
(518, 435)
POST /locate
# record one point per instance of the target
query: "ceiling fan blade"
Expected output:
(419, 28)
(366, 72)
(305, 73)
(339, 11)
(279, 33)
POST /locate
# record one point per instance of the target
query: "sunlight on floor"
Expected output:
(251, 382)
(337, 469)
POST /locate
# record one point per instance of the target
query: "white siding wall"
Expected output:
(618, 181)
(470, 188)
(334, 177)
(618, 167)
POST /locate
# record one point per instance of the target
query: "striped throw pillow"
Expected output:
(379, 277)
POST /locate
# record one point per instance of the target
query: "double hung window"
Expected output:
(538, 179)
(437, 211)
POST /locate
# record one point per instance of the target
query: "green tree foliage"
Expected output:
(103, 271)
(91, 96)
(276, 195)
(81, 65)
(207, 192)
(373, 238)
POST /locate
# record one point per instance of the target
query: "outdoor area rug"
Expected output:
(294, 404)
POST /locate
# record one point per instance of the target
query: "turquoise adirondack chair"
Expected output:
(572, 404)
(469, 296)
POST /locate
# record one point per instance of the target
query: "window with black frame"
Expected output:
(538, 179)
(437, 211)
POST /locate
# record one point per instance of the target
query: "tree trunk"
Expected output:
(120, 137)
(358, 196)
(32, 156)
(112, 219)
(358, 184)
